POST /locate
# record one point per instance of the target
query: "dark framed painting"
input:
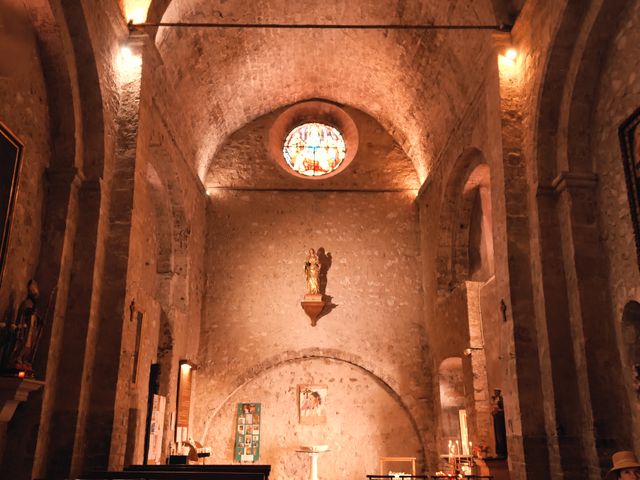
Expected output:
(10, 161)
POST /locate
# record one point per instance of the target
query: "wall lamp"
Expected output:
(468, 351)
(187, 365)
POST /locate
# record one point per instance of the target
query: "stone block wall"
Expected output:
(253, 322)
(24, 110)
(619, 97)
(365, 421)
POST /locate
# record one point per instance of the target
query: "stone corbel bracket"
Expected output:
(313, 306)
(13, 391)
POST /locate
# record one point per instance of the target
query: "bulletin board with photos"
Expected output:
(247, 447)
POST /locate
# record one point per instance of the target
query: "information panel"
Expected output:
(248, 432)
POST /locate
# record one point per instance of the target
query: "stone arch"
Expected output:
(474, 248)
(61, 80)
(573, 269)
(388, 167)
(164, 254)
(73, 86)
(172, 270)
(569, 87)
(385, 381)
(551, 91)
(173, 267)
(165, 291)
(452, 398)
(453, 231)
(410, 115)
(587, 80)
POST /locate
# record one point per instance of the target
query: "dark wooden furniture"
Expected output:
(427, 477)
(180, 472)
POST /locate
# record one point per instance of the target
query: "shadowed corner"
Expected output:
(326, 260)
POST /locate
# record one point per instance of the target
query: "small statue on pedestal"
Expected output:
(21, 337)
(313, 302)
(312, 269)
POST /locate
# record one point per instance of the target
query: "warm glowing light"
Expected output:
(21, 374)
(314, 149)
(136, 10)
(412, 193)
(185, 367)
(508, 59)
(129, 63)
(125, 52)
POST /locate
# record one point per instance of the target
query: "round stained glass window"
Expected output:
(314, 149)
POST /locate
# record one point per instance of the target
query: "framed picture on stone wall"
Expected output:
(10, 160)
(247, 445)
(629, 134)
(312, 404)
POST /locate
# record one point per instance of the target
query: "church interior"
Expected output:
(339, 239)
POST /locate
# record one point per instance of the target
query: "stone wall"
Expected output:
(445, 230)
(245, 161)
(619, 97)
(365, 420)
(24, 110)
(165, 272)
(253, 321)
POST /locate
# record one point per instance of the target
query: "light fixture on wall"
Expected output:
(505, 49)
(187, 365)
(130, 58)
(469, 350)
(135, 11)
(511, 54)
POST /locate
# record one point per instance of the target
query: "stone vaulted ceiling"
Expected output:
(415, 83)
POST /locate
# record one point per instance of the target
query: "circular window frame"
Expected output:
(313, 111)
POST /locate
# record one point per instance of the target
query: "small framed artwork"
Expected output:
(10, 161)
(312, 404)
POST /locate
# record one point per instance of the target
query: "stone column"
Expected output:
(59, 233)
(564, 412)
(101, 440)
(481, 413)
(67, 351)
(522, 387)
(595, 350)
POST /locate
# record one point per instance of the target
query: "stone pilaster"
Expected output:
(594, 344)
(481, 413)
(523, 400)
(564, 414)
(68, 339)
